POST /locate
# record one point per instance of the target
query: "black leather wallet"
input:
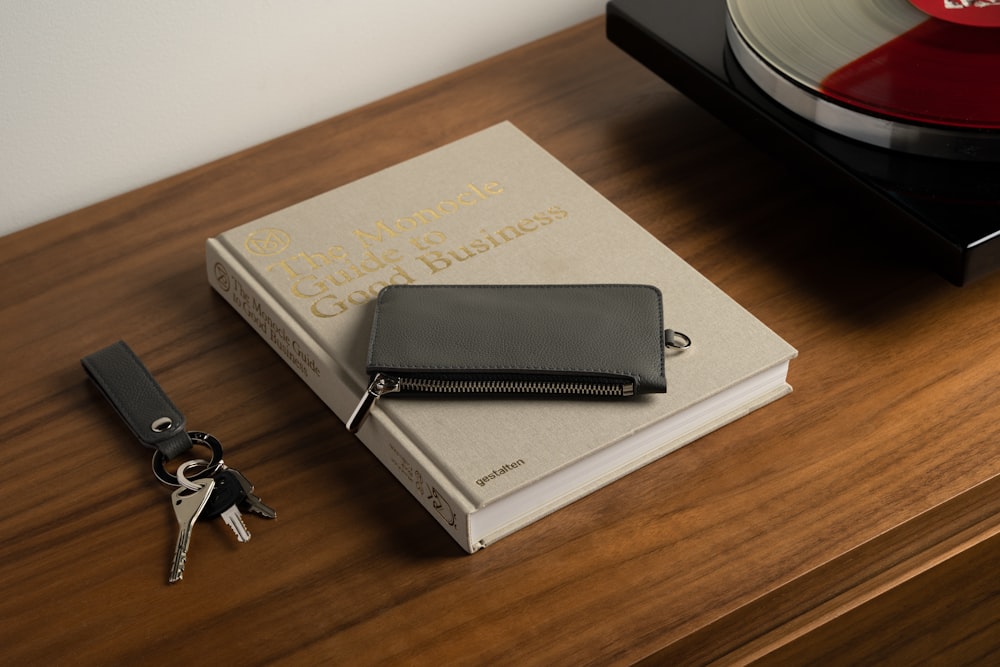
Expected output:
(584, 340)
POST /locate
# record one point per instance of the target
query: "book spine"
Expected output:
(327, 379)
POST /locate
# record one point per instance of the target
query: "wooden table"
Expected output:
(855, 519)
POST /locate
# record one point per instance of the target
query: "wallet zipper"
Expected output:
(384, 383)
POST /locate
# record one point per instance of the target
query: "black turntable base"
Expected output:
(948, 210)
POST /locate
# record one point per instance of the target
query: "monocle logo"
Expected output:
(221, 276)
(265, 242)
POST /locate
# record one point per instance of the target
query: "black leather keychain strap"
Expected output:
(138, 398)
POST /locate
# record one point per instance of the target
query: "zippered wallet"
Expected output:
(583, 340)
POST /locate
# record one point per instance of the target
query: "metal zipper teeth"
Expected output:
(515, 387)
(383, 384)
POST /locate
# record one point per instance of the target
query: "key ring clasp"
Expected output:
(184, 480)
(212, 467)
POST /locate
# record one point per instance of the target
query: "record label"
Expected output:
(981, 13)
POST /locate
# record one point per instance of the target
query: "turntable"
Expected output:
(897, 99)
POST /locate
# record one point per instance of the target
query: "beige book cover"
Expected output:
(492, 208)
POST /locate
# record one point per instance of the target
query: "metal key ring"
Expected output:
(676, 340)
(182, 476)
(199, 438)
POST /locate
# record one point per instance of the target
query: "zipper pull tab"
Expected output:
(381, 384)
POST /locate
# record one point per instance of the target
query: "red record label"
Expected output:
(980, 13)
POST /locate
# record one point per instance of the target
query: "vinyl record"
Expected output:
(879, 71)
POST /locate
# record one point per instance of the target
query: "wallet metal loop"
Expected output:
(676, 340)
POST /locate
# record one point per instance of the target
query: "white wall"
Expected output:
(98, 97)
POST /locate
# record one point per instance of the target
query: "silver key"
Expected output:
(252, 502)
(234, 519)
(188, 504)
(225, 502)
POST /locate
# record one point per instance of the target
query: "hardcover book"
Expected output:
(492, 208)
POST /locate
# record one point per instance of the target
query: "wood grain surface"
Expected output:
(858, 502)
